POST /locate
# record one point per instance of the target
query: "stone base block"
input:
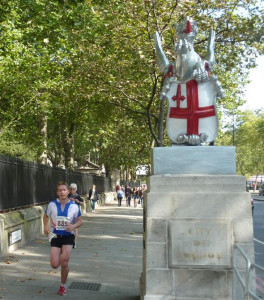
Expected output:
(201, 284)
(159, 280)
(195, 184)
(194, 160)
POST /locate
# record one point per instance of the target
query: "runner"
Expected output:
(65, 216)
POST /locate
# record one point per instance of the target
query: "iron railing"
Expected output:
(248, 278)
(27, 183)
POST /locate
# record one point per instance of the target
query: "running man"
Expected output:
(65, 216)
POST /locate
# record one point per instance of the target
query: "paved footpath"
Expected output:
(108, 257)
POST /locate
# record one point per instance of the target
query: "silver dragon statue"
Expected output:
(189, 88)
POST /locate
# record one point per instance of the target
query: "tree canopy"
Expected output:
(80, 76)
(246, 133)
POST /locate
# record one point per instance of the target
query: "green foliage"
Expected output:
(13, 145)
(247, 136)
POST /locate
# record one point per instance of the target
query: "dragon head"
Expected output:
(186, 29)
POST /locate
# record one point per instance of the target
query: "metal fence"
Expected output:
(248, 281)
(26, 183)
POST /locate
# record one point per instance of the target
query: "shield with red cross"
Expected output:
(192, 109)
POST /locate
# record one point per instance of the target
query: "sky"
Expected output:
(254, 91)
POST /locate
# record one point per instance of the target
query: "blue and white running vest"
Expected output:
(60, 219)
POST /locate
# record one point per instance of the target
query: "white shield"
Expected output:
(192, 109)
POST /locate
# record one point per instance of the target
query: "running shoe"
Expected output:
(62, 291)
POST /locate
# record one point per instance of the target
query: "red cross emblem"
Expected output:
(193, 112)
(178, 97)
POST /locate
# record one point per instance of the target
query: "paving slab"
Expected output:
(108, 253)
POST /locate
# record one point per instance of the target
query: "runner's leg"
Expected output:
(64, 259)
(55, 254)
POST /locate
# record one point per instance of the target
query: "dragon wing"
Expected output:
(163, 62)
(210, 57)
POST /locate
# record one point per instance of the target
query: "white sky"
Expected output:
(255, 90)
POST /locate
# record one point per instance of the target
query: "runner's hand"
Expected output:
(70, 227)
(46, 231)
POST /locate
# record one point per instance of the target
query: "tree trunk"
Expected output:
(68, 144)
(107, 170)
(43, 132)
(58, 157)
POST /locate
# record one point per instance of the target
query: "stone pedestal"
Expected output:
(191, 222)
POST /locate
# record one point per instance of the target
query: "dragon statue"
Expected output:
(189, 88)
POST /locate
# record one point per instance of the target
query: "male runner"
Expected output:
(65, 216)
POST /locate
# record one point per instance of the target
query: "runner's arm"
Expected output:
(79, 222)
(46, 224)
(71, 227)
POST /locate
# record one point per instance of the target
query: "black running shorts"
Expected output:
(61, 240)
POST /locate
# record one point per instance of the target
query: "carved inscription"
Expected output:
(201, 243)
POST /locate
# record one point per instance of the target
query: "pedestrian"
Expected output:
(135, 196)
(120, 196)
(123, 188)
(140, 195)
(144, 188)
(128, 193)
(74, 196)
(93, 196)
(65, 216)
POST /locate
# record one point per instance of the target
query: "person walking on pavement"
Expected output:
(143, 189)
(128, 192)
(93, 196)
(135, 196)
(74, 196)
(65, 216)
(117, 187)
(120, 196)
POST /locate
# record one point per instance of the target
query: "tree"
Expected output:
(248, 142)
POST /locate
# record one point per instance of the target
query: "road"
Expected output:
(258, 224)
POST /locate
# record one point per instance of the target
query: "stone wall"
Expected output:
(18, 228)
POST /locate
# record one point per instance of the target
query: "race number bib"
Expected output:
(62, 222)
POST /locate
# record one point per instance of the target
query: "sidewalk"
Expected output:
(255, 196)
(108, 257)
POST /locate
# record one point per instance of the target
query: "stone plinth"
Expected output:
(191, 222)
(194, 160)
